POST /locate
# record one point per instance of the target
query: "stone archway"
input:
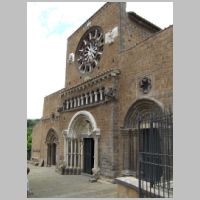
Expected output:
(140, 108)
(52, 146)
(81, 144)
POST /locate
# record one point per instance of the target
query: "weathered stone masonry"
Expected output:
(87, 126)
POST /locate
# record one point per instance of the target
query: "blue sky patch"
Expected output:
(60, 28)
(53, 29)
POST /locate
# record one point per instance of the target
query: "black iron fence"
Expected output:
(156, 155)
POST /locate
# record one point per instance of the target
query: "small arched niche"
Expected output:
(140, 109)
(52, 146)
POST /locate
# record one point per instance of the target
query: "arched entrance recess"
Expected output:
(81, 144)
(139, 109)
(52, 143)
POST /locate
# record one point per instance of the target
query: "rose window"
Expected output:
(89, 50)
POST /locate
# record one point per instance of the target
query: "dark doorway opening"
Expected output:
(88, 155)
(51, 154)
(150, 150)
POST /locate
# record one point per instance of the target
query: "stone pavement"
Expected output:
(46, 183)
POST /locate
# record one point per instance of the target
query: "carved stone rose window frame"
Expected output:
(89, 50)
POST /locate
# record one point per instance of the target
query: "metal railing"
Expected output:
(156, 155)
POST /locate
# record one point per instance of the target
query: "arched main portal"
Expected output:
(52, 142)
(140, 109)
(81, 144)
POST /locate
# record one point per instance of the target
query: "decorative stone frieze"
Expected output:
(110, 92)
(91, 82)
(90, 96)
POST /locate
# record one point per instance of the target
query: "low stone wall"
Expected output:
(127, 187)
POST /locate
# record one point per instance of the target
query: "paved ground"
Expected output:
(45, 182)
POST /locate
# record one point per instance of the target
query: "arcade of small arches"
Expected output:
(85, 99)
(90, 93)
(90, 98)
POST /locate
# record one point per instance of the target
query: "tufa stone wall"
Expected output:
(138, 51)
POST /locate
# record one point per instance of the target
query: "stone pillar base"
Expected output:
(72, 171)
(96, 173)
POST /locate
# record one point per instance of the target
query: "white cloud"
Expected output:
(159, 13)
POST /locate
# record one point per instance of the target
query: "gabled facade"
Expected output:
(118, 66)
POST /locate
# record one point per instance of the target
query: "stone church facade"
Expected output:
(119, 65)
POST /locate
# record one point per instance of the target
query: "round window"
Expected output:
(89, 50)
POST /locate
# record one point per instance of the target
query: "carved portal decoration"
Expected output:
(51, 137)
(145, 85)
(82, 125)
(89, 50)
(110, 92)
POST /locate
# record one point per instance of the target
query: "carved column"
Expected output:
(95, 97)
(91, 99)
(101, 94)
(81, 153)
(86, 99)
(71, 103)
(96, 168)
(67, 153)
(71, 153)
(67, 104)
(65, 149)
(74, 102)
(127, 157)
(78, 99)
(96, 146)
(82, 100)
(75, 153)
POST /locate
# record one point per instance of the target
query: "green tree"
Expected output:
(29, 138)
(30, 124)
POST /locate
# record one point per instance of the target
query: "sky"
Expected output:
(49, 24)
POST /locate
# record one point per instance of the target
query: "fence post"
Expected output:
(140, 159)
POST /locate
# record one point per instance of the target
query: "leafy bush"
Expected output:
(30, 124)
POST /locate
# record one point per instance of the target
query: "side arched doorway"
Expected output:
(140, 109)
(52, 143)
(81, 144)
